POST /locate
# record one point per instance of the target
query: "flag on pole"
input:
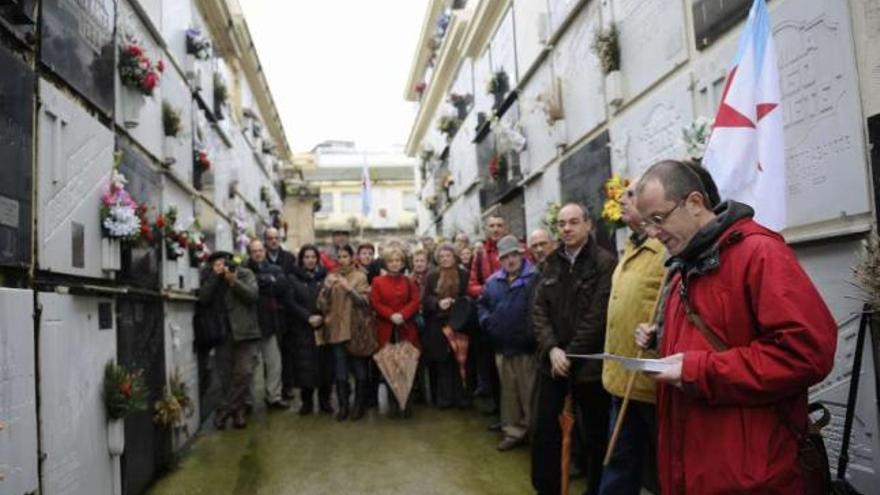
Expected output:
(366, 189)
(746, 151)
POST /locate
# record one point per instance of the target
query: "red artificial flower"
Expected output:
(493, 166)
(125, 388)
(160, 66)
(150, 81)
(135, 51)
(421, 87)
(160, 222)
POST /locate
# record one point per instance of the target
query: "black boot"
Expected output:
(342, 397)
(308, 401)
(324, 400)
(360, 389)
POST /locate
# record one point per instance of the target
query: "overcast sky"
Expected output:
(338, 68)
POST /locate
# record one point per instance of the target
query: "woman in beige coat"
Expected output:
(345, 294)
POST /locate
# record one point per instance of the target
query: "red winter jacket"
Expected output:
(721, 432)
(395, 294)
(484, 264)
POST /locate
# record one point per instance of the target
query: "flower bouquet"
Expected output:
(136, 70)
(612, 210)
(448, 124)
(124, 391)
(498, 167)
(177, 238)
(120, 213)
(175, 404)
(695, 137)
(551, 216)
(202, 161)
(198, 248)
(197, 44)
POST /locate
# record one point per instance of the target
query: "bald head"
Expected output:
(540, 244)
(257, 251)
(272, 238)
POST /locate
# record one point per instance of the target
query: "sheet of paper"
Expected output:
(647, 365)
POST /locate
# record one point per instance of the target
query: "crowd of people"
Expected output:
(721, 299)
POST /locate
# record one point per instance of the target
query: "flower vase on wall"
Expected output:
(132, 103)
(168, 148)
(614, 88)
(116, 437)
(111, 254)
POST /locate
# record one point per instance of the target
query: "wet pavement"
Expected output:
(434, 452)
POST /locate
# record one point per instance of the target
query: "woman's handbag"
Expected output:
(364, 341)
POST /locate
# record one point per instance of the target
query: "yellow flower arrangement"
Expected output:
(612, 210)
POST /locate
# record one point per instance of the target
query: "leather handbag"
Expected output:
(812, 455)
(364, 340)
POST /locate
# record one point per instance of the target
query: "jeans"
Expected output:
(633, 463)
(591, 402)
(343, 363)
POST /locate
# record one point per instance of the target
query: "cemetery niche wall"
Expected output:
(140, 261)
(582, 178)
(16, 138)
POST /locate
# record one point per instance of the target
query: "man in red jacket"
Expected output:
(486, 259)
(746, 334)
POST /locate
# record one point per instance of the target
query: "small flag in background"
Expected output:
(746, 151)
(366, 190)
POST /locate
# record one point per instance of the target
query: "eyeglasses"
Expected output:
(658, 219)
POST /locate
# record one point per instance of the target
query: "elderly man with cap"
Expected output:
(233, 290)
(504, 309)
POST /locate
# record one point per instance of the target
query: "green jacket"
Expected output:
(240, 301)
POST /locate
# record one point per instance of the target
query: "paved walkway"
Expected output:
(435, 452)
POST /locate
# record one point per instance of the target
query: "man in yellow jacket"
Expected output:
(635, 288)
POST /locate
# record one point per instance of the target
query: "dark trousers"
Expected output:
(487, 372)
(633, 462)
(236, 362)
(344, 363)
(450, 389)
(287, 346)
(325, 370)
(591, 402)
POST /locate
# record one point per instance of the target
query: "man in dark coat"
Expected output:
(275, 252)
(569, 318)
(273, 288)
(277, 255)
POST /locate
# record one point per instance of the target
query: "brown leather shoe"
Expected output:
(239, 421)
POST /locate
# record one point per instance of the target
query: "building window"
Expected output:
(351, 202)
(409, 201)
(326, 204)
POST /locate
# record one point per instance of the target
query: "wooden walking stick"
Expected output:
(566, 423)
(612, 442)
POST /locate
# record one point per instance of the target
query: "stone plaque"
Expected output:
(582, 178)
(463, 154)
(652, 41)
(532, 27)
(140, 262)
(651, 130)
(141, 345)
(73, 422)
(177, 94)
(148, 132)
(78, 244)
(503, 48)
(18, 406)
(713, 18)
(538, 195)
(176, 19)
(16, 148)
(824, 137)
(75, 157)
(535, 104)
(179, 333)
(483, 101)
(824, 263)
(514, 213)
(582, 83)
(19, 17)
(559, 11)
(77, 44)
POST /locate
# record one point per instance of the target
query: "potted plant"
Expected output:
(171, 126)
(124, 393)
(607, 49)
(140, 76)
(498, 86)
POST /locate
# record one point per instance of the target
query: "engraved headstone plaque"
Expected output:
(75, 157)
(140, 262)
(16, 138)
(582, 178)
(19, 17)
(77, 44)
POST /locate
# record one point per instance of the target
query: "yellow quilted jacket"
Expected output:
(635, 287)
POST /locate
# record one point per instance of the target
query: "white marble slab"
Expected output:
(503, 48)
(651, 130)
(652, 39)
(463, 155)
(73, 352)
(18, 404)
(538, 194)
(541, 138)
(176, 19)
(577, 66)
(179, 337)
(531, 21)
(559, 10)
(75, 158)
(177, 93)
(482, 73)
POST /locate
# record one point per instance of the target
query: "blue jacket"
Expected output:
(505, 311)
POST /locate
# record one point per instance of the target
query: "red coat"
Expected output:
(720, 433)
(395, 294)
(485, 263)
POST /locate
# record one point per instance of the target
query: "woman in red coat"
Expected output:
(396, 300)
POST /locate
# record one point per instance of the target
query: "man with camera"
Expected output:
(234, 289)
